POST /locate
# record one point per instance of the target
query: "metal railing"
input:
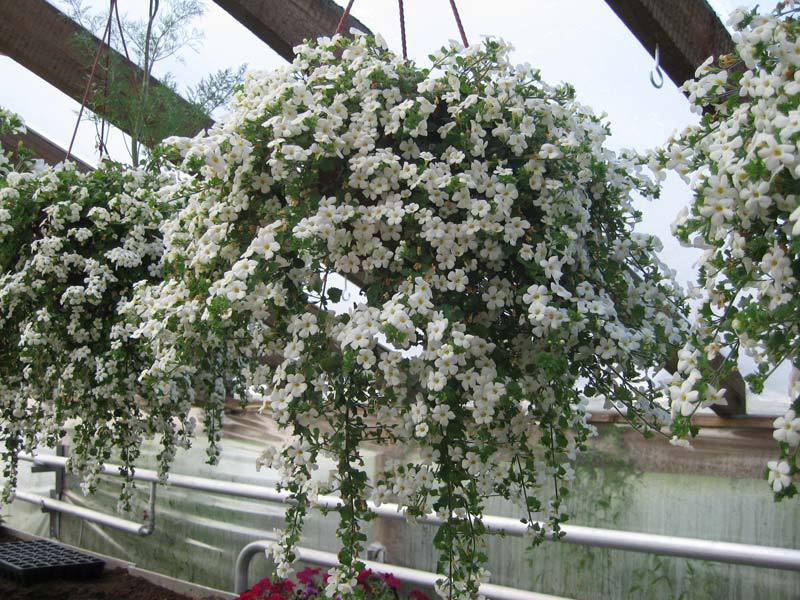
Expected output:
(726, 552)
(94, 516)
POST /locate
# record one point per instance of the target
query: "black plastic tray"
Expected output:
(41, 560)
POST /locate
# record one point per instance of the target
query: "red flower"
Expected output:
(267, 590)
(306, 576)
(363, 576)
(417, 595)
(390, 580)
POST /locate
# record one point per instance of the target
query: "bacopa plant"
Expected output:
(499, 282)
(744, 167)
(12, 158)
(72, 245)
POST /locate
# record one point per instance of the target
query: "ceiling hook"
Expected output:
(656, 75)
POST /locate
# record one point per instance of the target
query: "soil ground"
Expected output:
(113, 584)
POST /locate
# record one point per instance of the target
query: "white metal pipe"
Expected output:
(214, 486)
(727, 552)
(404, 574)
(85, 513)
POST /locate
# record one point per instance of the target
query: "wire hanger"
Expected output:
(656, 75)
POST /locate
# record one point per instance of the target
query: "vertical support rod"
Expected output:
(150, 514)
(58, 494)
(387, 532)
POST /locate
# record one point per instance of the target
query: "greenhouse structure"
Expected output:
(327, 299)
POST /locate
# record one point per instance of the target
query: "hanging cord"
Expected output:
(121, 31)
(458, 23)
(102, 147)
(403, 29)
(104, 133)
(343, 20)
(105, 127)
(106, 33)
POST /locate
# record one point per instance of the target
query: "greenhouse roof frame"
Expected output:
(686, 32)
(39, 37)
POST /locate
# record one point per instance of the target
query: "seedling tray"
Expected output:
(41, 560)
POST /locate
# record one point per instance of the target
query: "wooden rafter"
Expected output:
(687, 32)
(41, 147)
(734, 385)
(48, 43)
(283, 24)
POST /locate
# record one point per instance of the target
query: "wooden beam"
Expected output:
(716, 452)
(703, 420)
(283, 24)
(687, 32)
(48, 43)
(41, 147)
(734, 385)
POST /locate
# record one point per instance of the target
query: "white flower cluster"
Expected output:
(490, 233)
(10, 124)
(743, 162)
(71, 247)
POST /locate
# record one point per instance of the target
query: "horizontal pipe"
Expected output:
(85, 513)
(651, 543)
(404, 574)
(214, 486)
(726, 552)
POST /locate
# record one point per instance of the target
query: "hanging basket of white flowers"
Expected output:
(72, 245)
(744, 166)
(490, 234)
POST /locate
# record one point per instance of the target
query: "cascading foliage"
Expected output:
(501, 284)
(14, 159)
(72, 245)
(743, 163)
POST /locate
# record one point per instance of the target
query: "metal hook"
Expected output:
(657, 78)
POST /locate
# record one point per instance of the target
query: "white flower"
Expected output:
(787, 428)
(779, 475)
(552, 267)
(550, 151)
(684, 398)
(680, 442)
(296, 385)
(442, 414)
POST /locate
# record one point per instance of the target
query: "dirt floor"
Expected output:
(113, 584)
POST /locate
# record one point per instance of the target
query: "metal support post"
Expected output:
(57, 493)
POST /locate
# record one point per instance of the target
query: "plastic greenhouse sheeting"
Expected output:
(198, 535)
